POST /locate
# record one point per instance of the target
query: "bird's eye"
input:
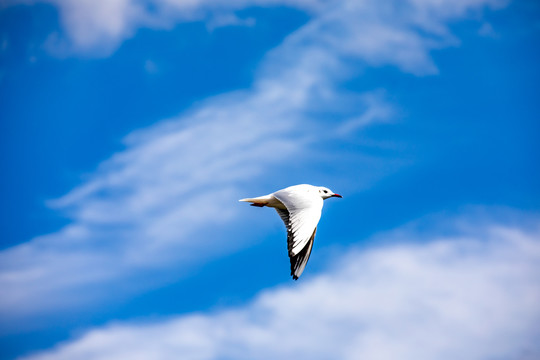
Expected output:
(325, 191)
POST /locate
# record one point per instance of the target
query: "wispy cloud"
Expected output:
(470, 295)
(141, 209)
(384, 34)
(149, 206)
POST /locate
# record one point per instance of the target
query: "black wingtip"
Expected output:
(294, 277)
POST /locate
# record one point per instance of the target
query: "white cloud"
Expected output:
(367, 30)
(139, 212)
(487, 30)
(229, 19)
(149, 207)
(470, 295)
(151, 67)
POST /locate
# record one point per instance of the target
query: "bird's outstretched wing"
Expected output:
(298, 262)
(301, 216)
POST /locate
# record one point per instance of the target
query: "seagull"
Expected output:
(299, 207)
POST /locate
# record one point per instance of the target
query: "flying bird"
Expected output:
(300, 209)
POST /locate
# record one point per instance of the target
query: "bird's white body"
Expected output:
(300, 208)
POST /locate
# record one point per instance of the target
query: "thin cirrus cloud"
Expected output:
(472, 294)
(97, 28)
(176, 177)
(140, 210)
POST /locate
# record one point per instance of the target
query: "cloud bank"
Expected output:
(470, 295)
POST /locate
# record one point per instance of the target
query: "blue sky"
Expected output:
(129, 130)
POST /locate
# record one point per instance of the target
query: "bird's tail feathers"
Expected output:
(258, 201)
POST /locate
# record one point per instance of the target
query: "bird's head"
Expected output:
(327, 193)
